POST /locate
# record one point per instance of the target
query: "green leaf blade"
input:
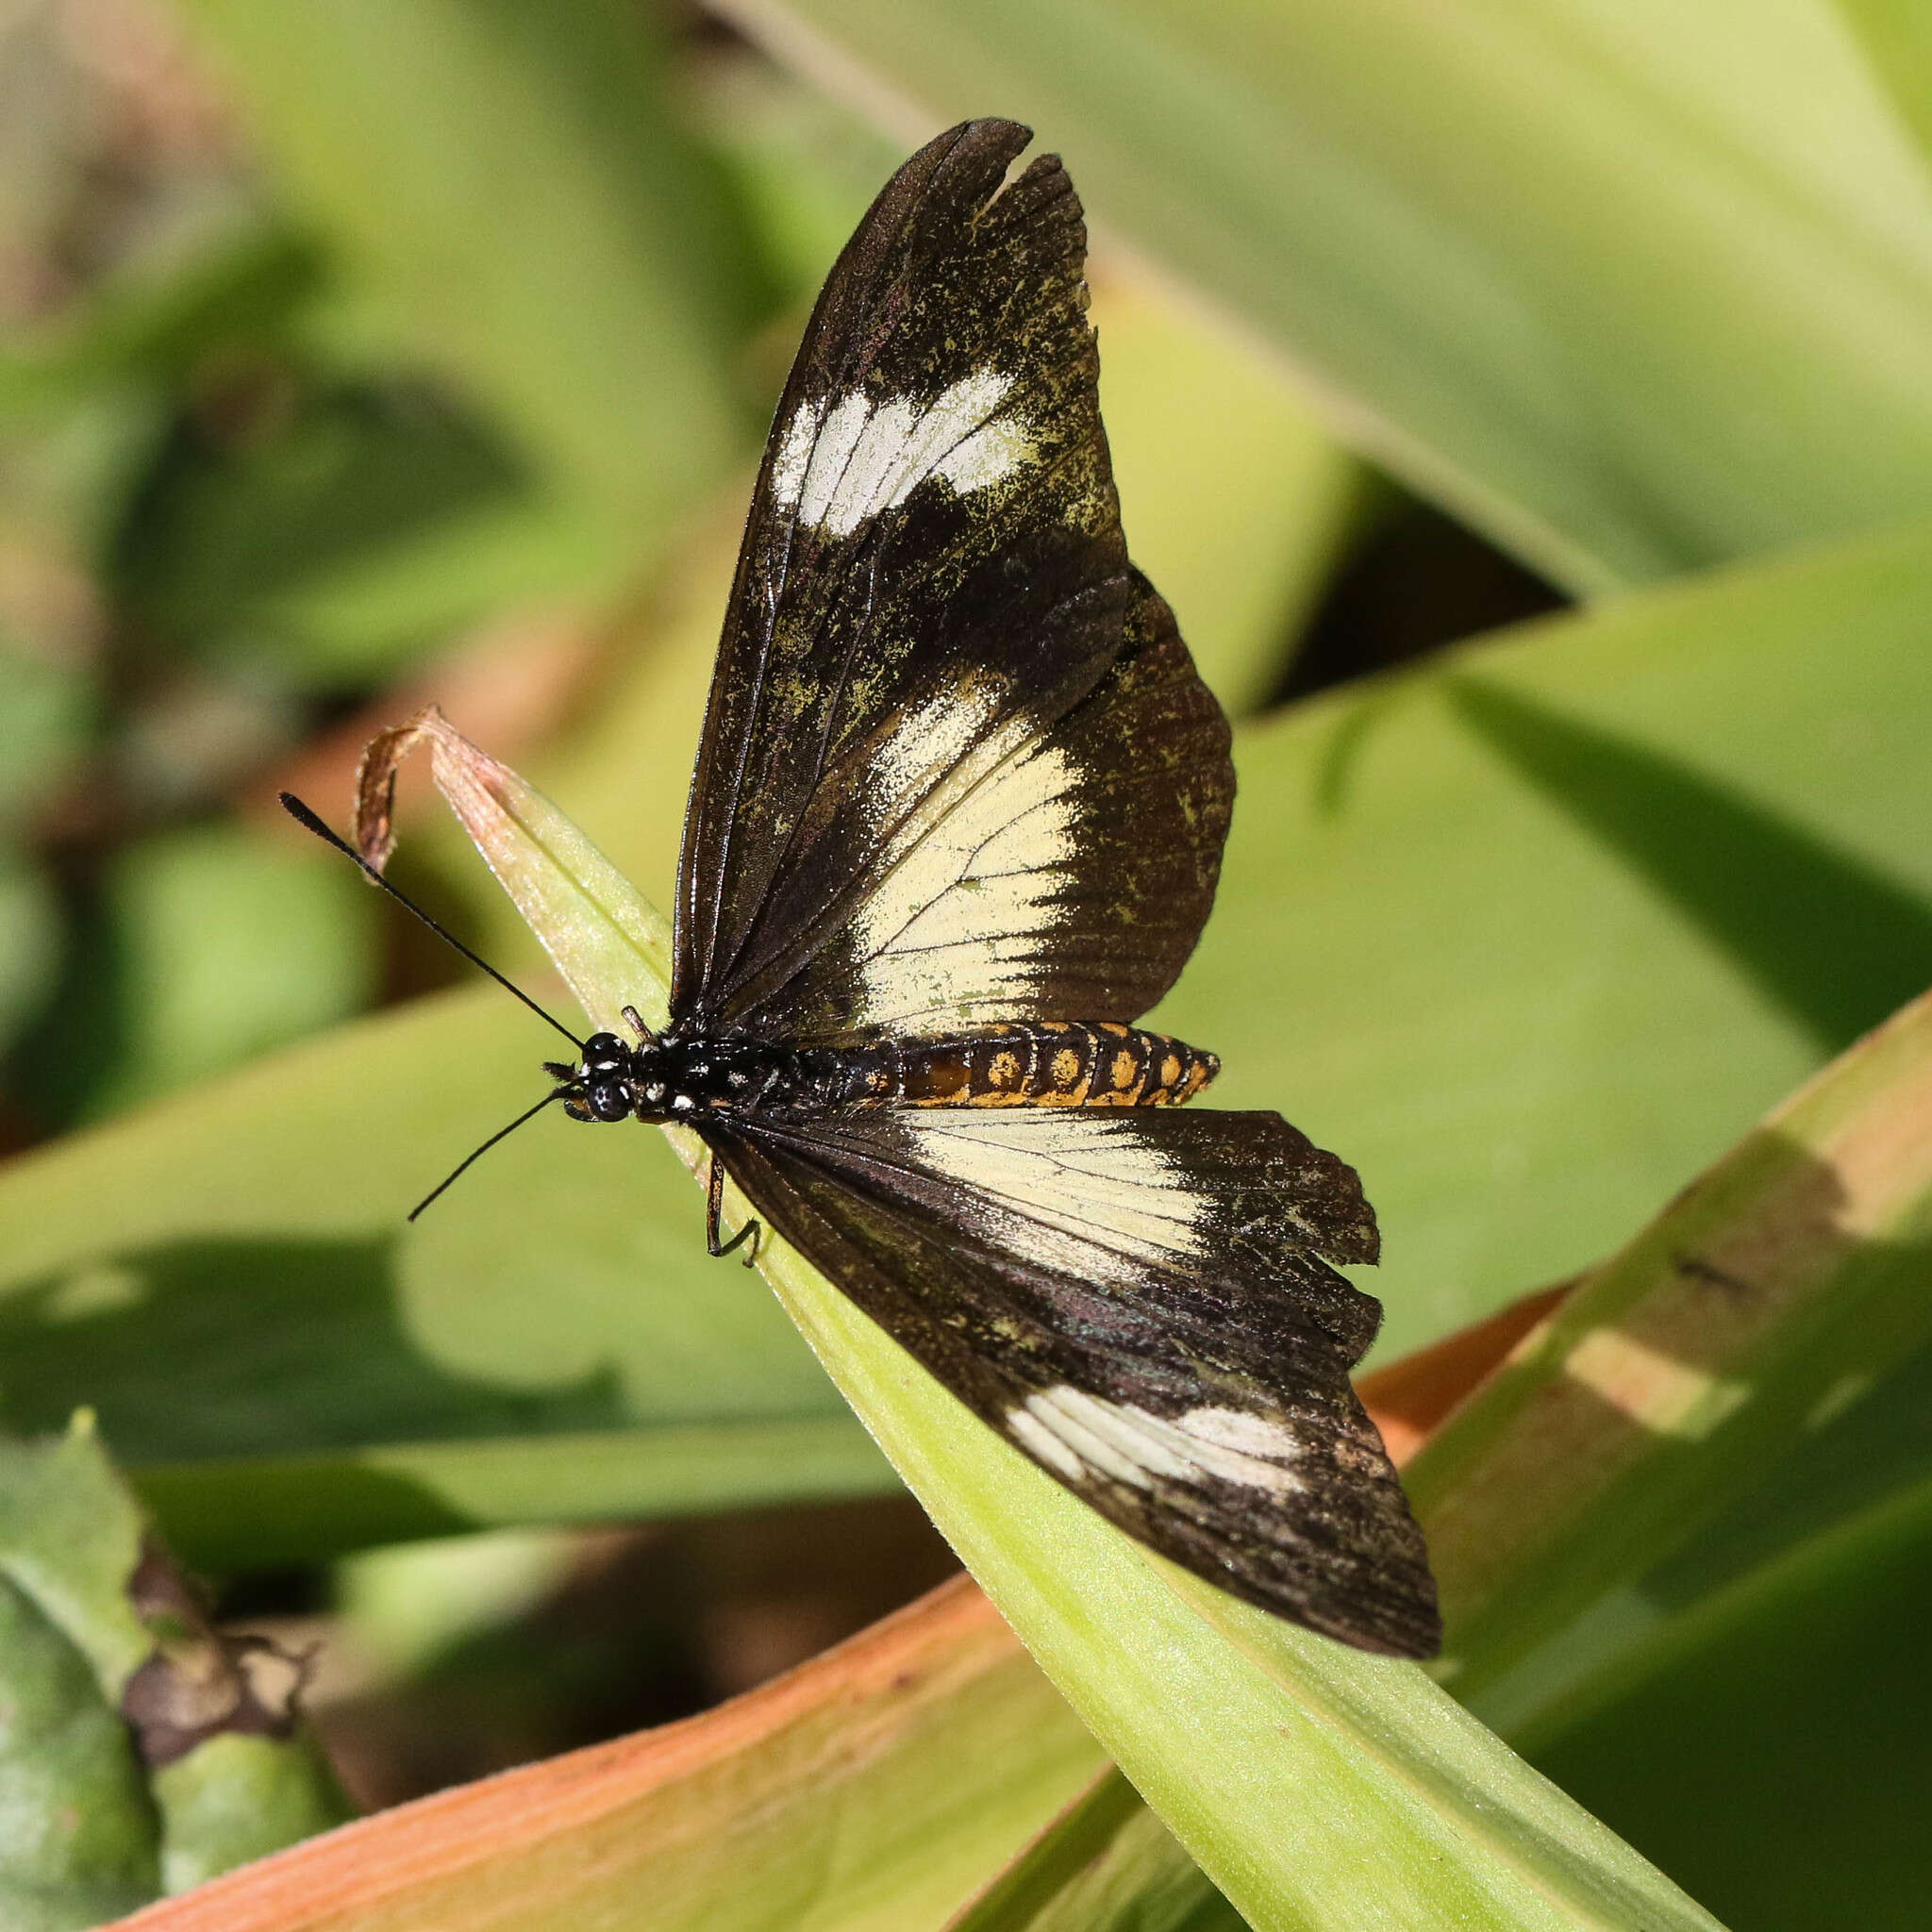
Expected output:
(75, 1822)
(1508, 249)
(1790, 1279)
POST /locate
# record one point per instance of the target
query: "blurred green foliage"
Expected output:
(94, 1823)
(371, 351)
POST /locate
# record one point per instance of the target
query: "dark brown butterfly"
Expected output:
(956, 823)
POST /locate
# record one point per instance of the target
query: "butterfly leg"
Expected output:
(714, 1201)
(635, 1021)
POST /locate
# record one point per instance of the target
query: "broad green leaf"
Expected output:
(92, 1826)
(1768, 1299)
(1706, 1474)
(1534, 932)
(1508, 244)
(868, 1791)
(230, 1509)
(1314, 1785)
(1769, 1746)
(78, 1835)
(1898, 42)
(1106, 1864)
(514, 186)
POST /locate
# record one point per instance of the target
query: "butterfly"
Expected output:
(956, 823)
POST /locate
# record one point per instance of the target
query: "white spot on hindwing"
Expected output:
(1075, 1434)
(1040, 1443)
(846, 465)
(1242, 1429)
(1083, 1193)
(1104, 1436)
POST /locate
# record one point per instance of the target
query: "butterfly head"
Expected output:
(606, 1084)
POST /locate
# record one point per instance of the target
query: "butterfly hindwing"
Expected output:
(1137, 1301)
(957, 765)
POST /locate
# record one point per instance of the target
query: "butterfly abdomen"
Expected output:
(1046, 1063)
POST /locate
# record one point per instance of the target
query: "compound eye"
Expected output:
(604, 1054)
(609, 1100)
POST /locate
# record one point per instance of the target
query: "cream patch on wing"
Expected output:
(970, 875)
(1075, 1434)
(1240, 1446)
(1041, 1441)
(794, 455)
(844, 466)
(1065, 1188)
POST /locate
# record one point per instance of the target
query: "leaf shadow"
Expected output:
(1821, 932)
(215, 1348)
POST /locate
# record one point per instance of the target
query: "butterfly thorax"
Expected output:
(690, 1076)
(682, 1076)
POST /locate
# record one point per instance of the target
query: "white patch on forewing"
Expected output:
(863, 457)
(982, 845)
(1065, 1188)
(992, 452)
(1075, 1432)
(922, 746)
(794, 454)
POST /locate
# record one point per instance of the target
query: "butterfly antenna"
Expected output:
(304, 817)
(462, 1167)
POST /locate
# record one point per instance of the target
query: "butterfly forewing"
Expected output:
(957, 765)
(1137, 1301)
